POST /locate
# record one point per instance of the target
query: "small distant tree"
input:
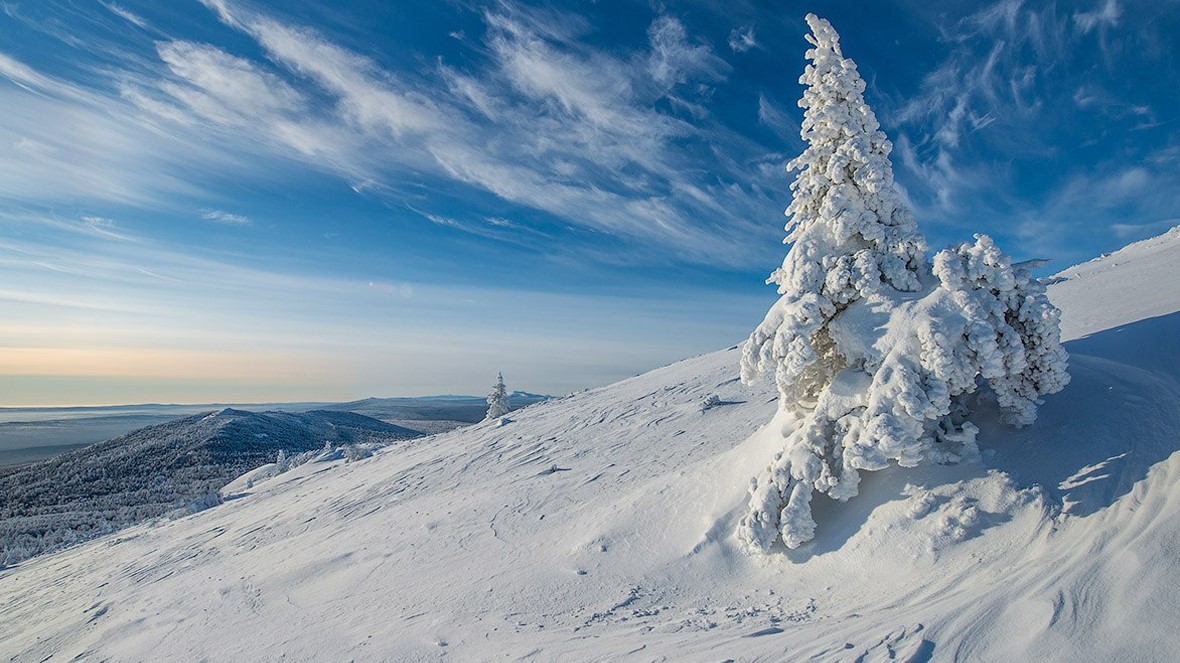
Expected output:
(874, 349)
(498, 399)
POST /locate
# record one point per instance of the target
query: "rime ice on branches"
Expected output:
(872, 347)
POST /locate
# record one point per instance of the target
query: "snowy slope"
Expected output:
(599, 527)
(1137, 282)
(165, 468)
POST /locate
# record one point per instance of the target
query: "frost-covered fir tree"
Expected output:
(498, 399)
(875, 351)
(852, 235)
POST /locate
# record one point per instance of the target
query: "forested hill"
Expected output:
(159, 469)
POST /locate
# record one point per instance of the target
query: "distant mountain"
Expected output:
(159, 469)
(37, 433)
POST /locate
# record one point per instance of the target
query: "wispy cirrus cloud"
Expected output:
(1127, 231)
(226, 218)
(742, 39)
(1132, 198)
(990, 79)
(624, 144)
(1104, 16)
(675, 59)
(98, 222)
(985, 139)
(70, 143)
(776, 118)
(545, 122)
(126, 14)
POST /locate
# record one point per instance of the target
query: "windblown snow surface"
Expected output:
(599, 526)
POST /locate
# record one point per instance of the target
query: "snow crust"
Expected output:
(599, 526)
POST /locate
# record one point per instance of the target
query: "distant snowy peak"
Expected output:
(1141, 280)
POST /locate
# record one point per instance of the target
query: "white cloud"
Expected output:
(71, 144)
(500, 230)
(543, 120)
(126, 15)
(226, 218)
(1106, 15)
(1128, 231)
(1101, 21)
(675, 60)
(992, 82)
(222, 86)
(742, 39)
(371, 98)
(1093, 198)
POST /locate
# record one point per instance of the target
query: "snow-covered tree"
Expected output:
(852, 235)
(498, 399)
(874, 350)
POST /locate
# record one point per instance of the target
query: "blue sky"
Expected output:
(246, 201)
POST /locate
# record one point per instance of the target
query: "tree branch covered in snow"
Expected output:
(874, 348)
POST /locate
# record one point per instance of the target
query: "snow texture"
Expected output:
(876, 350)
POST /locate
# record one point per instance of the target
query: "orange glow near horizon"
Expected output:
(160, 363)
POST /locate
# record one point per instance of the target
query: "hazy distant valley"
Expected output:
(29, 434)
(59, 485)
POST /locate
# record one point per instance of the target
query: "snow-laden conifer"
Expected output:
(851, 234)
(874, 349)
(498, 399)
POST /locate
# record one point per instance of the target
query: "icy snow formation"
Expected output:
(876, 350)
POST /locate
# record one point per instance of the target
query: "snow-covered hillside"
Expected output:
(600, 527)
(169, 468)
